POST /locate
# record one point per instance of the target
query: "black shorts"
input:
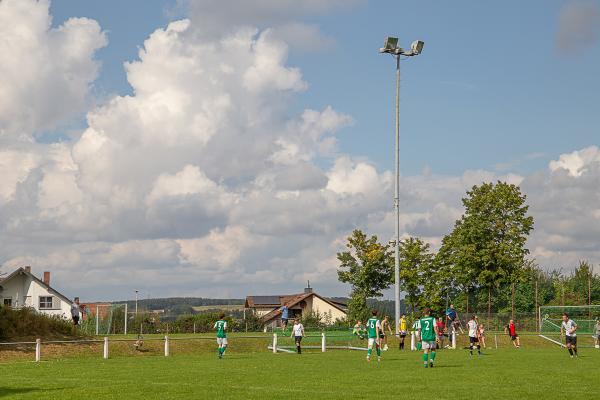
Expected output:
(284, 321)
(297, 339)
(572, 340)
(514, 337)
(75, 320)
(473, 339)
(382, 335)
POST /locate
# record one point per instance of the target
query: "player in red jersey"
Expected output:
(511, 329)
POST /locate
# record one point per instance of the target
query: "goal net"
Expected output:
(105, 319)
(584, 316)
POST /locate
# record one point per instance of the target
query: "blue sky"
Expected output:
(491, 89)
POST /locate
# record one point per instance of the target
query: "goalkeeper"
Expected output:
(359, 330)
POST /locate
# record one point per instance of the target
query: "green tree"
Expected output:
(417, 278)
(367, 266)
(489, 239)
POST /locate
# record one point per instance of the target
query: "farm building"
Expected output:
(23, 289)
(268, 308)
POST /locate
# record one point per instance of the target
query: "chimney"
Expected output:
(28, 269)
(308, 289)
(46, 278)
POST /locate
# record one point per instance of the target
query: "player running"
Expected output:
(221, 327)
(373, 331)
(403, 331)
(428, 332)
(511, 329)
(569, 327)
(385, 324)
(473, 335)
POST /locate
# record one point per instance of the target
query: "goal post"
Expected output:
(585, 317)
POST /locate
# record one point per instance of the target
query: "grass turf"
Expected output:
(342, 374)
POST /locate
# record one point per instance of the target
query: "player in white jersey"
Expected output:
(569, 327)
(297, 334)
(473, 335)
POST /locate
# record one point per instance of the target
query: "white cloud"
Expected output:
(202, 183)
(46, 72)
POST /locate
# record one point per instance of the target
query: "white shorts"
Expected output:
(222, 341)
(428, 345)
(373, 340)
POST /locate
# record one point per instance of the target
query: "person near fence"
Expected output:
(385, 324)
(440, 333)
(297, 334)
(373, 330)
(359, 330)
(473, 335)
(221, 328)
(402, 329)
(569, 327)
(511, 329)
(482, 335)
(597, 342)
(284, 317)
(451, 319)
(75, 311)
(428, 333)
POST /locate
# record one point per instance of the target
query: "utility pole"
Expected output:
(391, 47)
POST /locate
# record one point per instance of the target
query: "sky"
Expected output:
(227, 148)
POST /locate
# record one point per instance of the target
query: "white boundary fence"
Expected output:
(106, 343)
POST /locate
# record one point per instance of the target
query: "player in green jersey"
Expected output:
(373, 331)
(428, 332)
(221, 327)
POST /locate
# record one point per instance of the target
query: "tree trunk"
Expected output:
(467, 301)
(538, 322)
(512, 300)
(489, 303)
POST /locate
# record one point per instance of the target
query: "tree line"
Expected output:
(482, 265)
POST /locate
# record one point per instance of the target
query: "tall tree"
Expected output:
(489, 239)
(368, 266)
(415, 263)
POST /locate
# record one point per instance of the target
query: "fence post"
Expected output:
(38, 350)
(412, 341)
(105, 353)
(166, 346)
(275, 342)
(496, 340)
(194, 328)
(125, 318)
(97, 320)
(454, 340)
(323, 342)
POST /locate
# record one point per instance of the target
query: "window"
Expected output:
(45, 302)
(8, 302)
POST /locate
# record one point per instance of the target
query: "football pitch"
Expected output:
(338, 374)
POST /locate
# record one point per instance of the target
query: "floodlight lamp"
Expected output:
(417, 47)
(390, 44)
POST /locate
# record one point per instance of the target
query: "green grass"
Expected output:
(506, 373)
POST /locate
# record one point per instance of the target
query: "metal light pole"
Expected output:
(391, 47)
(136, 300)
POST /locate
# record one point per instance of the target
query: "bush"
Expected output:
(26, 323)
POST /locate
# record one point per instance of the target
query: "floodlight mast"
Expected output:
(391, 47)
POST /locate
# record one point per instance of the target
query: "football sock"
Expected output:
(369, 352)
(432, 356)
(478, 349)
(575, 350)
(425, 357)
(471, 349)
(571, 351)
(378, 352)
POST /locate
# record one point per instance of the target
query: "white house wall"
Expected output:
(26, 292)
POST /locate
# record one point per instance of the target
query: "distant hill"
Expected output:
(174, 306)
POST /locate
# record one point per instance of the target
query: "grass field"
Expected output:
(525, 373)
